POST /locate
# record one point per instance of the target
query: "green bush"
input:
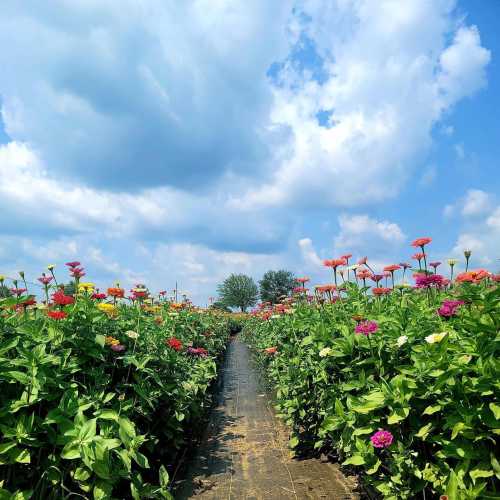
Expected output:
(436, 395)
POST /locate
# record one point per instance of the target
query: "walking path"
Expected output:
(244, 453)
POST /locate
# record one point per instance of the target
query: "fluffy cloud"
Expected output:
(475, 202)
(387, 78)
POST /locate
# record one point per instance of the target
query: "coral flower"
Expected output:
(334, 263)
(347, 256)
(392, 268)
(376, 277)
(363, 274)
(418, 256)
(271, 350)
(61, 299)
(382, 439)
(302, 280)
(381, 290)
(175, 344)
(473, 276)
(57, 314)
(421, 242)
(366, 327)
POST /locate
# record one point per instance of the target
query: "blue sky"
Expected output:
(157, 141)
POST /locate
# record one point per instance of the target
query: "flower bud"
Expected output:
(467, 254)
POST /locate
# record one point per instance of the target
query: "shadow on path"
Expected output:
(244, 453)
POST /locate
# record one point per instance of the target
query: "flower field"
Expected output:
(98, 390)
(397, 381)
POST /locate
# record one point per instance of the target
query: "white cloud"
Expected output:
(476, 202)
(385, 98)
(428, 176)
(309, 253)
(358, 232)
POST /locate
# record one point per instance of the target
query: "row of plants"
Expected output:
(399, 382)
(99, 391)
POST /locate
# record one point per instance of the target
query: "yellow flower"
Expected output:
(452, 262)
(2, 278)
(435, 337)
(111, 340)
(86, 287)
(107, 308)
(51, 267)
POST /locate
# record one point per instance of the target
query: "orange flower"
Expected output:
(302, 280)
(473, 276)
(116, 292)
(381, 291)
(420, 242)
(418, 256)
(334, 263)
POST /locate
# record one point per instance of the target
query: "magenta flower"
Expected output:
(45, 280)
(118, 347)
(366, 327)
(430, 280)
(197, 351)
(382, 439)
(449, 308)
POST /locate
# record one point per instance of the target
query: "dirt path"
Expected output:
(244, 453)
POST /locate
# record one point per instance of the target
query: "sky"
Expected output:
(158, 141)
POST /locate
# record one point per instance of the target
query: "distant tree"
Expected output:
(238, 290)
(5, 292)
(70, 288)
(275, 284)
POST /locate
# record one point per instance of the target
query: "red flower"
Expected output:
(57, 314)
(61, 299)
(347, 256)
(175, 344)
(381, 291)
(98, 296)
(73, 264)
(420, 242)
(271, 350)
(18, 291)
(29, 302)
(392, 268)
(418, 256)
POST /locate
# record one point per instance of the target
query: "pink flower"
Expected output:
(73, 264)
(449, 308)
(366, 327)
(118, 347)
(382, 439)
(45, 280)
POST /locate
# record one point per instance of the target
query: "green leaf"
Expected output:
(477, 473)
(354, 460)
(100, 340)
(360, 431)
(452, 486)
(109, 415)
(87, 431)
(495, 409)
(71, 451)
(424, 431)
(294, 441)
(431, 409)
(81, 474)
(102, 490)
(164, 477)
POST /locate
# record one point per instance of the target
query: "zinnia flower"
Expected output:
(86, 287)
(45, 280)
(435, 264)
(382, 439)
(421, 242)
(405, 265)
(271, 350)
(18, 291)
(302, 280)
(334, 263)
(118, 347)
(449, 308)
(402, 340)
(392, 268)
(430, 280)
(381, 290)
(473, 276)
(197, 351)
(132, 335)
(376, 277)
(174, 344)
(57, 314)
(109, 309)
(435, 337)
(366, 327)
(61, 299)
(73, 264)
(98, 296)
(418, 256)
(77, 272)
(116, 292)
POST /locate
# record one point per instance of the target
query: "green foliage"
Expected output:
(238, 290)
(70, 288)
(4, 292)
(439, 400)
(275, 285)
(78, 419)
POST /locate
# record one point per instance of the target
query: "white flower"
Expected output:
(326, 351)
(402, 340)
(435, 337)
(132, 335)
